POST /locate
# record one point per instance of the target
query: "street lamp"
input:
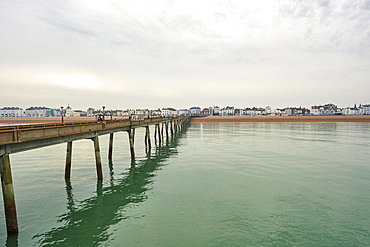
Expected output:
(62, 113)
(103, 113)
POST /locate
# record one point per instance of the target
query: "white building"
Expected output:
(214, 111)
(227, 111)
(39, 111)
(195, 111)
(69, 112)
(365, 109)
(90, 112)
(11, 112)
(328, 109)
(169, 112)
(351, 111)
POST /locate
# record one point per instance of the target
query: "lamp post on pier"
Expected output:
(103, 113)
(62, 112)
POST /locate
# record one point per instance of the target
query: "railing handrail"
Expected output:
(46, 125)
(22, 133)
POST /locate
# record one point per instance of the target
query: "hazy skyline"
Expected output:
(151, 54)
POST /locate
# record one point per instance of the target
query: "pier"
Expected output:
(19, 138)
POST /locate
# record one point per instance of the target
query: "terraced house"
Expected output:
(11, 112)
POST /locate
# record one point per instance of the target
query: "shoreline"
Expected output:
(282, 119)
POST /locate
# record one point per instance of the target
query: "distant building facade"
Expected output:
(39, 111)
(195, 111)
(11, 112)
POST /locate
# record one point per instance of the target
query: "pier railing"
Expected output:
(23, 133)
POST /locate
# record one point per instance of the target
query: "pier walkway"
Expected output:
(18, 138)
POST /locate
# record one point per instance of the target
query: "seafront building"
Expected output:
(195, 111)
(39, 111)
(11, 112)
(315, 110)
(366, 109)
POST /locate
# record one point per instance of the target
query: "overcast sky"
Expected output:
(151, 54)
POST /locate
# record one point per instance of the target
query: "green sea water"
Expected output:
(215, 184)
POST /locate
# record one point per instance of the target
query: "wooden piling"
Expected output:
(131, 134)
(99, 170)
(8, 195)
(110, 150)
(67, 171)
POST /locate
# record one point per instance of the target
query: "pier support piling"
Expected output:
(162, 131)
(159, 133)
(8, 195)
(99, 170)
(110, 150)
(166, 124)
(131, 134)
(155, 133)
(67, 171)
(147, 138)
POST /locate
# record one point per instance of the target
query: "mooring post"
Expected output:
(110, 150)
(99, 170)
(67, 171)
(131, 134)
(8, 195)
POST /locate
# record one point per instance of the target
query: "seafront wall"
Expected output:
(277, 119)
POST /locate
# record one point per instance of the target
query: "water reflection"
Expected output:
(12, 240)
(86, 223)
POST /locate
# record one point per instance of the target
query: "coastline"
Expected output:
(282, 119)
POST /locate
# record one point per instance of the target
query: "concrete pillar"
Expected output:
(166, 123)
(131, 134)
(155, 133)
(110, 150)
(99, 170)
(159, 133)
(171, 126)
(67, 171)
(147, 138)
(8, 195)
(162, 134)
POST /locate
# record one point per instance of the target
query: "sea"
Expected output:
(212, 184)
